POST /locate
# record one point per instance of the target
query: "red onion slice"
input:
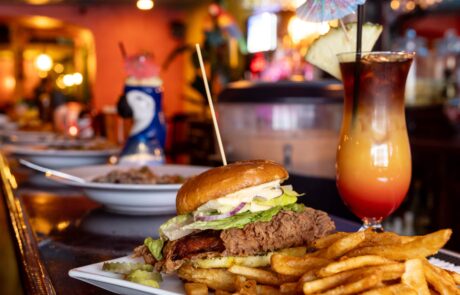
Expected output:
(221, 216)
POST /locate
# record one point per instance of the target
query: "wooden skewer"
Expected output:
(344, 28)
(211, 105)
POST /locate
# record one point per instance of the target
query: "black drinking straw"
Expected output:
(359, 36)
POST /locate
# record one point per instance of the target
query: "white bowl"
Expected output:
(132, 199)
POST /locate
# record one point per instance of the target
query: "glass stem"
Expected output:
(373, 223)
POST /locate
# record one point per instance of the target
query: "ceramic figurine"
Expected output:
(142, 100)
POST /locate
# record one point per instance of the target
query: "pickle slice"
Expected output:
(148, 278)
(125, 267)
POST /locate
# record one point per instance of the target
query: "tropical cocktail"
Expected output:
(373, 155)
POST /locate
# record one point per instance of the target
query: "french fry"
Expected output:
(358, 284)
(352, 263)
(441, 272)
(214, 278)
(455, 276)
(342, 246)
(386, 238)
(407, 239)
(421, 247)
(259, 275)
(222, 292)
(196, 289)
(437, 281)
(245, 286)
(392, 271)
(296, 266)
(309, 276)
(323, 284)
(289, 288)
(392, 290)
(267, 290)
(414, 277)
(296, 251)
(328, 240)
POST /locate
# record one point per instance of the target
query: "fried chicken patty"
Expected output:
(286, 229)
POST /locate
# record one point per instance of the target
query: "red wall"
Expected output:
(434, 26)
(139, 31)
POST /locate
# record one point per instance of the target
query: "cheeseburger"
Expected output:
(234, 214)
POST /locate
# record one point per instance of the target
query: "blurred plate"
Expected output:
(57, 159)
(133, 199)
(93, 274)
(100, 222)
(27, 137)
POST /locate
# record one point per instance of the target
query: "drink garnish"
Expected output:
(323, 51)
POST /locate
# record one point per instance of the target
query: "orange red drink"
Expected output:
(373, 156)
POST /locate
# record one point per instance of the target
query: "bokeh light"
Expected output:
(144, 4)
(43, 62)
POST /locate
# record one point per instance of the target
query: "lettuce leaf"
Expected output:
(241, 219)
(283, 200)
(155, 247)
(173, 229)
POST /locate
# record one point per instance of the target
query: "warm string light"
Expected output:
(73, 131)
(69, 80)
(144, 4)
(44, 62)
(409, 5)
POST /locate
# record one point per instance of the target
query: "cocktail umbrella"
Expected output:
(326, 10)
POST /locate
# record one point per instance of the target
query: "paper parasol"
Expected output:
(326, 10)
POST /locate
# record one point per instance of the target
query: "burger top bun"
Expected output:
(221, 181)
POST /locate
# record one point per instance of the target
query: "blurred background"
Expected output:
(271, 103)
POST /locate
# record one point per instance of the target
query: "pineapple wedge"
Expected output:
(323, 51)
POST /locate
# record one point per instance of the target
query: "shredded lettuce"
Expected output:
(155, 247)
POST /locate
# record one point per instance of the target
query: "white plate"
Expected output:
(93, 274)
(133, 199)
(57, 159)
(171, 285)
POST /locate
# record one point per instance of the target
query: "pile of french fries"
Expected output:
(342, 263)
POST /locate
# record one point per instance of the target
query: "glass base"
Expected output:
(373, 223)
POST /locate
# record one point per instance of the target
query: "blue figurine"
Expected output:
(142, 100)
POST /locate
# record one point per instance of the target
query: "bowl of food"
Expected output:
(134, 190)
